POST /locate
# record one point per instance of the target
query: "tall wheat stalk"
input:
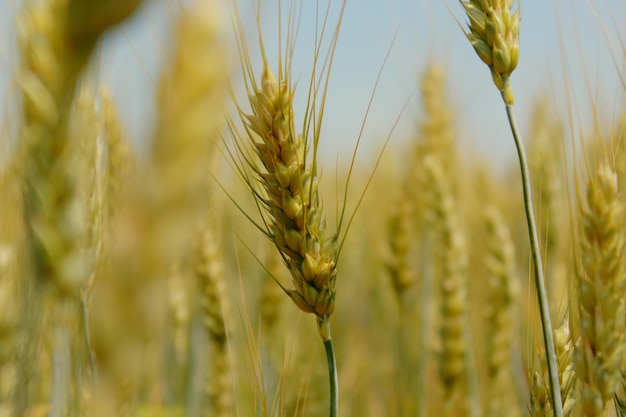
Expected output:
(278, 164)
(494, 34)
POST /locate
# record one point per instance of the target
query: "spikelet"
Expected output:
(539, 399)
(601, 283)
(494, 34)
(567, 377)
(210, 275)
(500, 263)
(295, 217)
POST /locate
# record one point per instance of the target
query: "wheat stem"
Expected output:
(324, 328)
(555, 390)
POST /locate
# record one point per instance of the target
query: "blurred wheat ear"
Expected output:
(601, 278)
(54, 48)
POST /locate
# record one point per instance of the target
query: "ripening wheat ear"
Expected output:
(54, 49)
(494, 34)
(601, 283)
(296, 220)
(279, 166)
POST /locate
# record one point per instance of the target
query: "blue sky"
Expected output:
(584, 70)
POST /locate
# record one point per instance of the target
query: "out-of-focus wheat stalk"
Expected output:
(547, 167)
(402, 278)
(500, 263)
(155, 218)
(210, 274)
(55, 45)
(452, 258)
(436, 139)
(270, 309)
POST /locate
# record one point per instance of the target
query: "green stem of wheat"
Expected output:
(555, 390)
(332, 367)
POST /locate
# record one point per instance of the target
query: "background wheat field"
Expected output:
(174, 229)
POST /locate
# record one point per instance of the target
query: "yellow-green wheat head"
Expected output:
(279, 165)
(494, 34)
(296, 223)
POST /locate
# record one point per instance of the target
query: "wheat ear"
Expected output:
(500, 263)
(279, 165)
(451, 257)
(601, 284)
(155, 218)
(296, 219)
(402, 279)
(436, 137)
(209, 271)
(494, 34)
(55, 47)
(296, 224)
(437, 131)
